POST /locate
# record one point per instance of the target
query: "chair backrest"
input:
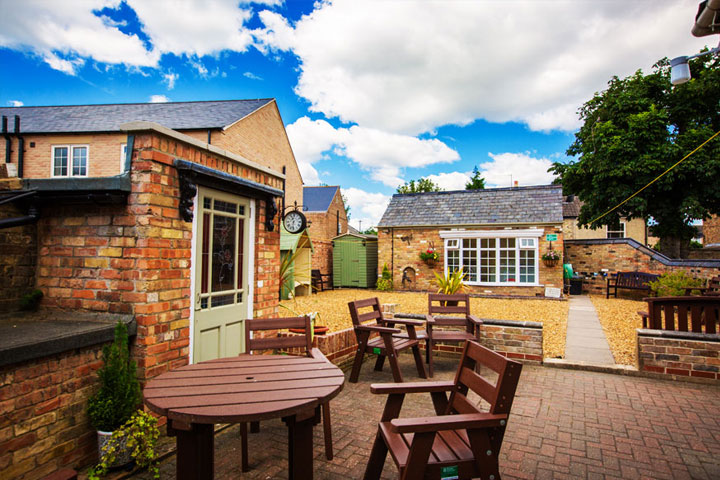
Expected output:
(684, 314)
(713, 286)
(359, 318)
(456, 305)
(499, 394)
(275, 343)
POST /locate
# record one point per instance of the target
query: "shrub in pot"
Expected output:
(451, 282)
(385, 282)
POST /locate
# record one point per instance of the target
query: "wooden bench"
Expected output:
(712, 288)
(630, 281)
(321, 281)
(683, 314)
(460, 436)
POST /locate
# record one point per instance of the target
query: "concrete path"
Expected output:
(586, 342)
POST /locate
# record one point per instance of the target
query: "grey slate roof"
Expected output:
(108, 118)
(501, 206)
(318, 199)
(571, 206)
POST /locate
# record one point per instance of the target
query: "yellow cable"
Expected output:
(658, 178)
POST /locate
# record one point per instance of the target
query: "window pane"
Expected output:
(223, 253)
(240, 254)
(507, 265)
(453, 260)
(60, 162)
(488, 266)
(469, 259)
(527, 266)
(79, 161)
(228, 207)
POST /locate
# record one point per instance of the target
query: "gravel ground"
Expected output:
(619, 320)
(333, 311)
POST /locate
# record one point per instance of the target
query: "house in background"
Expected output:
(497, 236)
(325, 212)
(635, 228)
(164, 215)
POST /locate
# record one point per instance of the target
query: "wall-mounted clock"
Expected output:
(294, 221)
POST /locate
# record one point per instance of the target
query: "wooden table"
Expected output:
(243, 389)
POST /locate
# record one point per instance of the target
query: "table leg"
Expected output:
(300, 444)
(195, 450)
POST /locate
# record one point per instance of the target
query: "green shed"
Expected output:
(355, 259)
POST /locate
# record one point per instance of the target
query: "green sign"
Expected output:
(376, 351)
(449, 473)
(551, 237)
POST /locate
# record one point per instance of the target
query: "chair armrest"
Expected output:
(643, 314)
(317, 354)
(688, 290)
(415, 323)
(429, 319)
(412, 387)
(378, 329)
(475, 320)
(447, 422)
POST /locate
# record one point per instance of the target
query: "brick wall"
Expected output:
(18, 257)
(684, 354)
(400, 248)
(634, 229)
(522, 341)
(322, 257)
(711, 231)
(619, 255)
(43, 414)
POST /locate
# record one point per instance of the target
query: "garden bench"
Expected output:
(630, 281)
(389, 341)
(460, 436)
(303, 342)
(683, 314)
(712, 287)
(321, 281)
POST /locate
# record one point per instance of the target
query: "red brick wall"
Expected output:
(322, 257)
(400, 248)
(685, 357)
(589, 258)
(43, 414)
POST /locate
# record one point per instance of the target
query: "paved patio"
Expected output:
(564, 424)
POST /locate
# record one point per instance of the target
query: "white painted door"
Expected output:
(223, 253)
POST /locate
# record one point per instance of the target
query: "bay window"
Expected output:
(493, 257)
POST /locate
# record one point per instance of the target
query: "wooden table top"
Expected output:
(243, 388)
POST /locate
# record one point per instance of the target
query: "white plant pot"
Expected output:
(123, 456)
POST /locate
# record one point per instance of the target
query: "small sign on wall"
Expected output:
(551, 237)
(552, 292)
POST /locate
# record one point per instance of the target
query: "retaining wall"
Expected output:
(683, 354)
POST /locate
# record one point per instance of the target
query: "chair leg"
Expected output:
(392, 355)
(244, 446)
(379, 363)
(377, 459)
(327, 431)
(254, 427)
(419, 361)
(357, 364)
(431, 368)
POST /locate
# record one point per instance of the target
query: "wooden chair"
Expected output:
(459, 435)
(388, 343)
(712, 288)
(455, 329)
(304, 344)
(699, 314)
(321, 281)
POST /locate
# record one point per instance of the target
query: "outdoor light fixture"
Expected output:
(680, 70)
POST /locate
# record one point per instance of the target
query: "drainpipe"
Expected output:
(31, 217)
(707, 21)
(8, 140)
(209, 132)
(21, 147)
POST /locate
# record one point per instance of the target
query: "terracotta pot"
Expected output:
(317, 329)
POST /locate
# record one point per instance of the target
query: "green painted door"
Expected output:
(221, 275)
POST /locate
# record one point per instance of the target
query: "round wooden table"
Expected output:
(245, 388)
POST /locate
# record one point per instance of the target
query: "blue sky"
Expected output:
(372, 93)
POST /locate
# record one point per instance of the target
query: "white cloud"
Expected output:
(251, 76)
(64, 37)
(452, 180)
(411, 66)
(159, 99)
(170, 79)
(15, 103)
(383, 154)
(365, 207)
(520, 167)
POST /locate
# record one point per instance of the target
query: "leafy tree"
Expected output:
(370, 231)
(634, 131)
(419, 186)
(476, 182)
(347, 205)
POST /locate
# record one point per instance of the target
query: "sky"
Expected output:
(373, 93)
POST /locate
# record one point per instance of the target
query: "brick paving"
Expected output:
(564, 424)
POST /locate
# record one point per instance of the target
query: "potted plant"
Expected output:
(450, 283)
(551, 258)
(385, 282)
(119, 395)
(429, 256)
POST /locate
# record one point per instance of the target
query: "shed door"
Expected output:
(350, 263)
(221, 275)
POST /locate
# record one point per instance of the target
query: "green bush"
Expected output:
(385, 283)
(119, 394)
(674, 284)
(31, 301)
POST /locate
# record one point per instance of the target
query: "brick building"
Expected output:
(326, 219)
(162, 215)
(496, 236)
(636, 228)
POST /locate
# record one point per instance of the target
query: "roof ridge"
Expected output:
(268, 99)
(477, 190)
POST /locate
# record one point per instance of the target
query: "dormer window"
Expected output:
(70, 160)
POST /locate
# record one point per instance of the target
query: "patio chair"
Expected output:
(321, 281)
(459, 436)
(454, 329)
(304, 343)
(389, 342)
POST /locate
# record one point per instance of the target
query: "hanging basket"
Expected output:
(550, 262)
(430, 262)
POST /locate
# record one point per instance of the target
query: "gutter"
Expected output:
(707, 21)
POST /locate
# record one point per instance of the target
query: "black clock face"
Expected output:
(294, 222)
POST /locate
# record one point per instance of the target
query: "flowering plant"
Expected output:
(429, 254)
(551, 255)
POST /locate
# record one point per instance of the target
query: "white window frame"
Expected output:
(526, 239)
(70, 148)
(123, 155)
(623, 230)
